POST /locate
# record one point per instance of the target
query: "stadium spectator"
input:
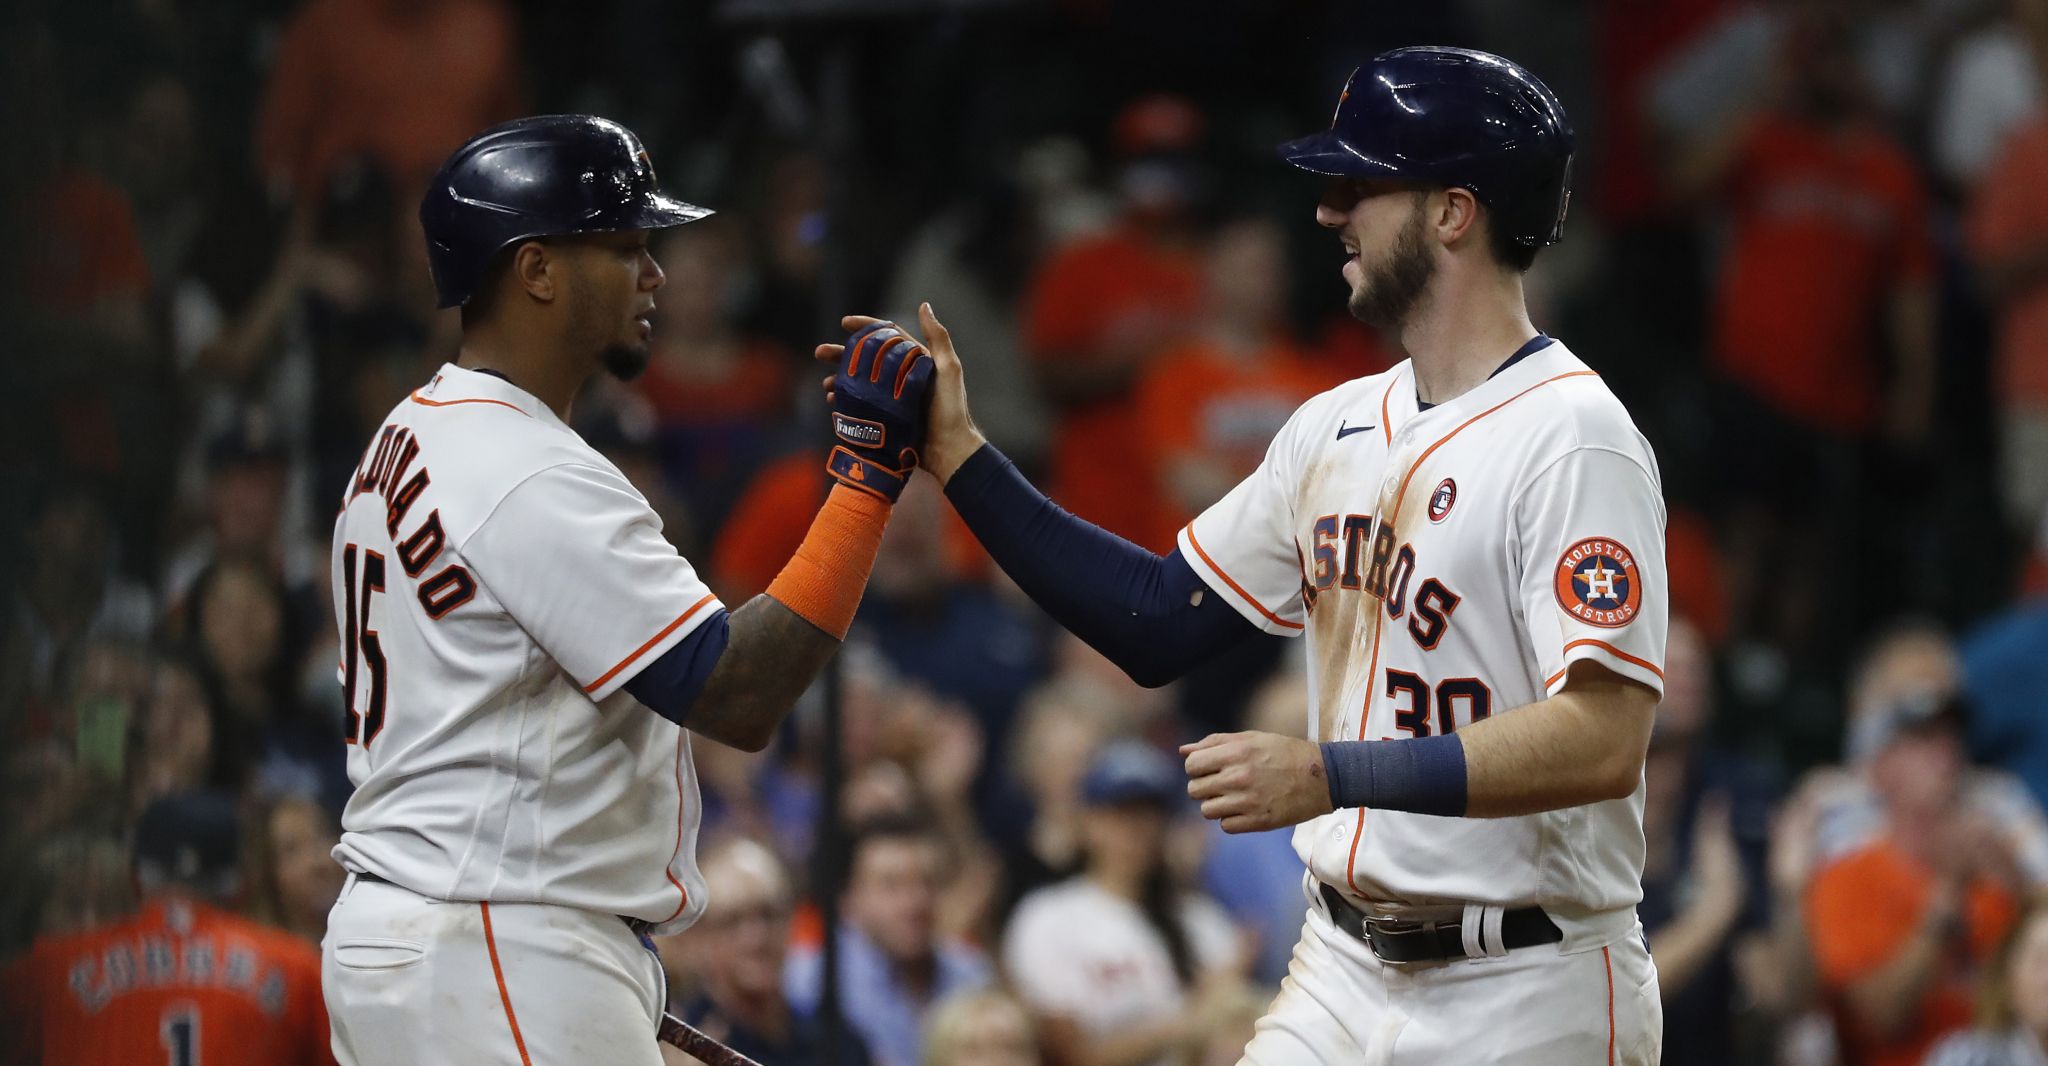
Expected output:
(185, 977)
(400, 82)
(86, 881)
(1906, 670)
(940, 628)
(1101, 308)
(1208, 405)
(2008, 234)
(1828, 267)
(1121, 964)
(734, 956)
(2012, 1009)
(969, 261)
(158, 165)
(1257, 876)
(1055, 738)
(788, 235)
(983, 1028)
(1705, 814)
(718, 395)
(236, 622)
(753, 795)
(248, 470)
(291, 863)
(171, 750)
(893, 965)
(2005, 673)
(1900, 926)
(87, 269)
(72, 592)
(757, 536)
(1989, 87)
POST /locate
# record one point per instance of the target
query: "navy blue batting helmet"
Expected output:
(538, 177)
(1453, 116)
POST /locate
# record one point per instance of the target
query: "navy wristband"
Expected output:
(1420, 775)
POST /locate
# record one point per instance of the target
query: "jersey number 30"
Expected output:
(362, 650)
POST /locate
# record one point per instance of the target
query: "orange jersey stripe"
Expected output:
(504, 995)
(1234, 586)
(424, 402)
(1386, 423)
(670, 868)
(651, 642)
(1609, 649)
(1609, 964)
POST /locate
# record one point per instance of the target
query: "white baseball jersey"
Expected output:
(1079, 950)
(1447, 564)
(496, 581)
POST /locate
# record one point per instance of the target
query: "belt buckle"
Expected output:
(1397, 927)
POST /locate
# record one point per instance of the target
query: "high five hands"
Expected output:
(910, 399)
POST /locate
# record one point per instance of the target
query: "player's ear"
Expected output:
(1454, 214)
(535, 270)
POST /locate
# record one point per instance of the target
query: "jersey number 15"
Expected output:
(361, 650)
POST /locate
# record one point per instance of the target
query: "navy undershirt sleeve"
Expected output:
(671, 683)
(1149, 614)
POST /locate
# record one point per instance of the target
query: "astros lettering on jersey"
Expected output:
(1448, 564)
(495, 757)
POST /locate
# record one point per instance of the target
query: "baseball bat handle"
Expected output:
(680, 1034)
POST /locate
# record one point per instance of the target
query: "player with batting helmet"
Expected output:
(525, 660)
(1473, 545)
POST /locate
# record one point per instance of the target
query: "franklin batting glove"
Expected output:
(879, 396)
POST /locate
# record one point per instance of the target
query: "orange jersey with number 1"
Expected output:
(180, 984)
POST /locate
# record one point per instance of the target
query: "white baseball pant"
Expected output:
(1533, 1006)
(410, 979)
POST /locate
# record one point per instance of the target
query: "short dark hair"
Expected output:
(484, 295)
(1507, 251)
(909, 828)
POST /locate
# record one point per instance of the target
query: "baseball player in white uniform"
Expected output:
(525, 658)
(1473, 544)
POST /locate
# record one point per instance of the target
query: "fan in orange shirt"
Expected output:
(1101, 309)
(1208, 406)
(1900, 928)
(181, 982)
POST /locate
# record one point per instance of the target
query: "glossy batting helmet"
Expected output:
(1453, 116)
(538, 177)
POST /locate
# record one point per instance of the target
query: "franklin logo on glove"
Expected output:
(858, 432)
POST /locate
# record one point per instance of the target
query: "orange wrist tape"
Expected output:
(823, 581)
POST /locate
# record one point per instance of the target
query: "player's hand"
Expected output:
(878, 394)
(950, 435)
(953, 436)
(1255, 781)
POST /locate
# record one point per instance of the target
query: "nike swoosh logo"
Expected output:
(1344, 431)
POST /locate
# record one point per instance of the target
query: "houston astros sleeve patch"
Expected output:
(1597, 583)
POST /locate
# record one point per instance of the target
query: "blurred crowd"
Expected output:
(1808, 246)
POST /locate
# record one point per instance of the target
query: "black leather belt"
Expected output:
(1394, 940)
(639, 926)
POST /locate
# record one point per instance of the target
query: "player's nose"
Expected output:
(1329, 217)
(651, 275)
